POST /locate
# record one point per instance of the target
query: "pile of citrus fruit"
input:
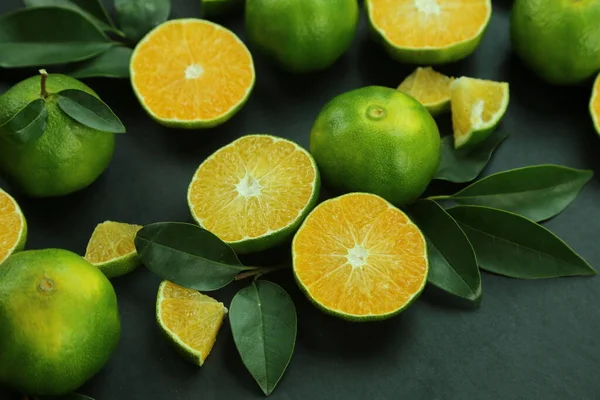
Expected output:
(356, 256)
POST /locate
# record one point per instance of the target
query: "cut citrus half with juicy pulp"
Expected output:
(429, 31)
(430, 88)
(359, 257)
(192, 73)
(255, 192)
(477, 108)
(111, 248)
(189, 319)
(13, 226)
(595, 105)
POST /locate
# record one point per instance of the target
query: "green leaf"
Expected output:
(187, 255)
(138, 17)
(92, 9)
(452, 263)
(43, 36)
(89, 111)
(113, 63)
(511, 245)
(28, 124)
(464, 165)
(538, 192)
(263, 324)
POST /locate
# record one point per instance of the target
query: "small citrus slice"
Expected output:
(13, 226)
(360, 258)
(430, 88)
(111, 248)
(255, 192)
(429, 31)
(595, 105)
(477, 108)
(189, 319)
(191, 73)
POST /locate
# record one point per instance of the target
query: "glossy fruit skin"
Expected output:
(66, 158)
(302, 35)
(558, 39)
(377, 140)
(60, 322)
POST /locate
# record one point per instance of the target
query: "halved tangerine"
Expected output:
(360, 258)
(192, 73)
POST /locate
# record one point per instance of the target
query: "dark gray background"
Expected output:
(529, 339)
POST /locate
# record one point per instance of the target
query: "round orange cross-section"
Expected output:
(359, 257)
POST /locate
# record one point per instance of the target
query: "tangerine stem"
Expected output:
(44, 92)
(258, 272)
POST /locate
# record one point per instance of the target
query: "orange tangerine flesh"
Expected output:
(12, 224)
(430, 23)
(191, 70)
(359, 257)
(191, 318)
(595, 105)
(253, 187)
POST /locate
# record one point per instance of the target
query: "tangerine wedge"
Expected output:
(13, 226)
(360, 258)
(190, 320)
(191, 73)
(595, 105)
(430, 88)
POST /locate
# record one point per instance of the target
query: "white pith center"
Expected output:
(357, 256)
(193, 71)
(477, 113)
(249, 187)
(428, 6)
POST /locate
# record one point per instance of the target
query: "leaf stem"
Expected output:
(440, 197)
(44, 92)
(25, 397)
(258, 272)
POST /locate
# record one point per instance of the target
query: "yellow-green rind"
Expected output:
(477, 136)
(559, 40)
(429, 55)
(595, 94)
(437, 109)
(360, 318)
(36, 358)
(68, 157)
(119, 266)
(199, 123)
(302, 36)
(359, 152)
(279, 236)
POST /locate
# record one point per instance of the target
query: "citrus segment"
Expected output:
(477, 108)
(595, 105)
(358, 257)
(192, 73)
(13, 227)
(430, 31)
(254, 192)
(430, 88)
(111, 248)
(190, 320)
